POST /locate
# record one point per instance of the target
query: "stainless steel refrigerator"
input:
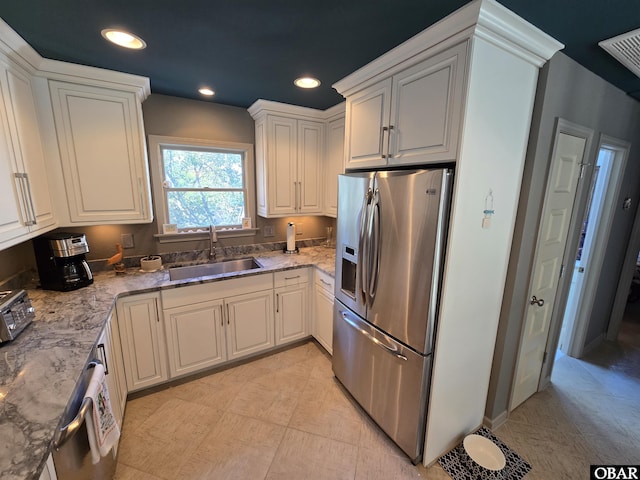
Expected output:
(390, 240)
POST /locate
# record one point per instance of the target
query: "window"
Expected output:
(198, 183)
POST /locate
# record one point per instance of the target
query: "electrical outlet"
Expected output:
(268, 231)
(127, 240)
(298, 229)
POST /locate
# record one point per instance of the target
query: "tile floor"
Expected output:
(285, 417)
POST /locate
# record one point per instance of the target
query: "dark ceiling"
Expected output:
(250, 49)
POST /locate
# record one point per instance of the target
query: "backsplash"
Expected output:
(201, 256)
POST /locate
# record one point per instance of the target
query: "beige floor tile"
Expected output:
(303, 455)
(379, 466)
(323, 410)
(265, 402)
(124, 472)
(180, 421)
(238, 447)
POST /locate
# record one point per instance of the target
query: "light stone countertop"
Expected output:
(39, 369)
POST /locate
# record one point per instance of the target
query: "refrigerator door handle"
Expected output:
(374, 250)
(361, 267)
(387, 348)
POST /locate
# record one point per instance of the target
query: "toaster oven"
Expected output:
(16, 312)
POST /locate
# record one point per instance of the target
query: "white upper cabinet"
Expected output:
(296, 159)
(333, 165)
(410, 118)
(27, 207)
(100, 137)
(72, 144)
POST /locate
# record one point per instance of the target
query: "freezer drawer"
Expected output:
(386, 378)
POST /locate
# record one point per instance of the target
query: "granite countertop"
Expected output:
(40, 368)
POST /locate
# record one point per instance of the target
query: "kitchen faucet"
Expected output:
(213, 238)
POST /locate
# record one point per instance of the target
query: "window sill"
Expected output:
(204, 234)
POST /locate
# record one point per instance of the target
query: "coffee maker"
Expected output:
(61, 261)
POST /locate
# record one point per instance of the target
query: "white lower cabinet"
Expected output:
(212, 323)
(323, 310)
(143, 342)
(291, 313)
(195, 337)
(249, 323)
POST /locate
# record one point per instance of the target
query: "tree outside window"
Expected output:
(204, 186)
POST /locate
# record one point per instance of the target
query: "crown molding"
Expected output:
(485, 19)
(262, 107)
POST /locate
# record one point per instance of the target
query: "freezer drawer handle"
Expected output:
(393, 351)
(70, 429)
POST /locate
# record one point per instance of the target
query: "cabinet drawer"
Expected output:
(203, 292)
(291, 277)
(325, 281)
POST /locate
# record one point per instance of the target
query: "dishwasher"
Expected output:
(71, 452)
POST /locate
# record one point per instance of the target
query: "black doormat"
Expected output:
(515, 468)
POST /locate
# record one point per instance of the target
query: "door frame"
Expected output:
(577, 336)
(626, 277)
(579, 205)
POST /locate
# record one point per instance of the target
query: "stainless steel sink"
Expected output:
(207, 269)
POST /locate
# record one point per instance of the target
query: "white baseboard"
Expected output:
(494, 423)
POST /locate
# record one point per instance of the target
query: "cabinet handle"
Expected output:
(389, 142)
(227, 314)
(221, 317)
(292, 278)
(142, 205)
(277, 302)
(384, 129)
(27, 201)
(326, 283)
(104, 358)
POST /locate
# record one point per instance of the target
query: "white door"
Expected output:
(291, 313)
(367, 124)
(309, 168)
(281, 165)
(143, 343)
(250, 323)
(566, 162)
(195, 337)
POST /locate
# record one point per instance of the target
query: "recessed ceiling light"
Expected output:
(206, 91)
(307, 82)
(124, 39)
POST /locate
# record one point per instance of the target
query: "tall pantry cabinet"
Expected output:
(460, 93)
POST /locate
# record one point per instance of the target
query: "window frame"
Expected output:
(159, 142)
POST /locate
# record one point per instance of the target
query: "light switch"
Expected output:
(127, 240)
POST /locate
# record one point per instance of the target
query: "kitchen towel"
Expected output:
(102, 428)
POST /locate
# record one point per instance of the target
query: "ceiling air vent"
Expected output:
(626, 49)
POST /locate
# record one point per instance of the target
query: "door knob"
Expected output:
(535, 300)
(581, 269)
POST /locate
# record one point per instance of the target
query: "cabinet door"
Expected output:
(195, 337)
(333, 166)
(323, 331)
(143, 343)
(249, 323)
(309, 168)
(117, 362)
(291, 313)
(281, 156)
(367, 121)
(12, 217)
(27, 148)
(426, 109)
(102, 149)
